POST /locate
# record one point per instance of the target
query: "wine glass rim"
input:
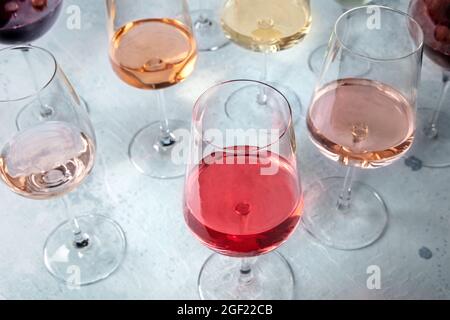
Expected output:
(46, 83)
(418, 48)
(197, 107)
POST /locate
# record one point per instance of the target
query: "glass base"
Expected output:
(156, 160)
(357, 68)
(353, 228)
(256, 106)
(220, 279)
(432, 152)
(31, 114)
(207, 30)
(99, 259)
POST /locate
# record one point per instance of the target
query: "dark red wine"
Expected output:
(234, 209)
(23, 21)
(434, 18)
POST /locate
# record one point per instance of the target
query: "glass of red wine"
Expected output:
(366, 122)
(24, 21)
(242, 194)
(52, 158)
(432, 147)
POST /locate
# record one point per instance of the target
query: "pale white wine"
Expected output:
(266, 25)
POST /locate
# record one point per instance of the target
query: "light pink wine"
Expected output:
(234, 209)
(47, 160)
(361, 122)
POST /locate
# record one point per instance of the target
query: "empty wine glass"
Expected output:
(52, 157)
(242, 196)
(432, 146)
(22, 22)
(152, 47)
(266, 26)
(366, 122)
(206, 23)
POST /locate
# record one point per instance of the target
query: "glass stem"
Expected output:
(80, 239)
(265, 67)
(246, 274)
(262, 97)
(166, 138)
(345, 196)
(45, 111)
(431, 130)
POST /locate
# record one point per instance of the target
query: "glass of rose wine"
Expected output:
(152, 47)
(266, 26)
(51, 158)
(206, 23)
(432, 147)
(242, 194)
(362, 122)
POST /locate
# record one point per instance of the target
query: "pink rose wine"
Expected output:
(235, 209)
(361, 122)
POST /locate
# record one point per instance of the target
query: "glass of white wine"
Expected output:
(51, 157)
(265, 26)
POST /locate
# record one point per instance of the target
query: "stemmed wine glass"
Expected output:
(432, 147)
(22, 22)
(152, 47)
(242, 195)
(206, 23)
(362, 122)
(52, 157)
(265, 26)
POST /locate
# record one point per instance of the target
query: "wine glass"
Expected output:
(206, 23)
(242, 196)
(432, 147)
(366, 122)
(316, 58)
(22, 22)
(152, 47)
(266, 26)
(52, 157)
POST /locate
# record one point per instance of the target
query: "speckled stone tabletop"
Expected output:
(163, 258)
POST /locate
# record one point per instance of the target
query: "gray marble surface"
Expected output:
(163, 258)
